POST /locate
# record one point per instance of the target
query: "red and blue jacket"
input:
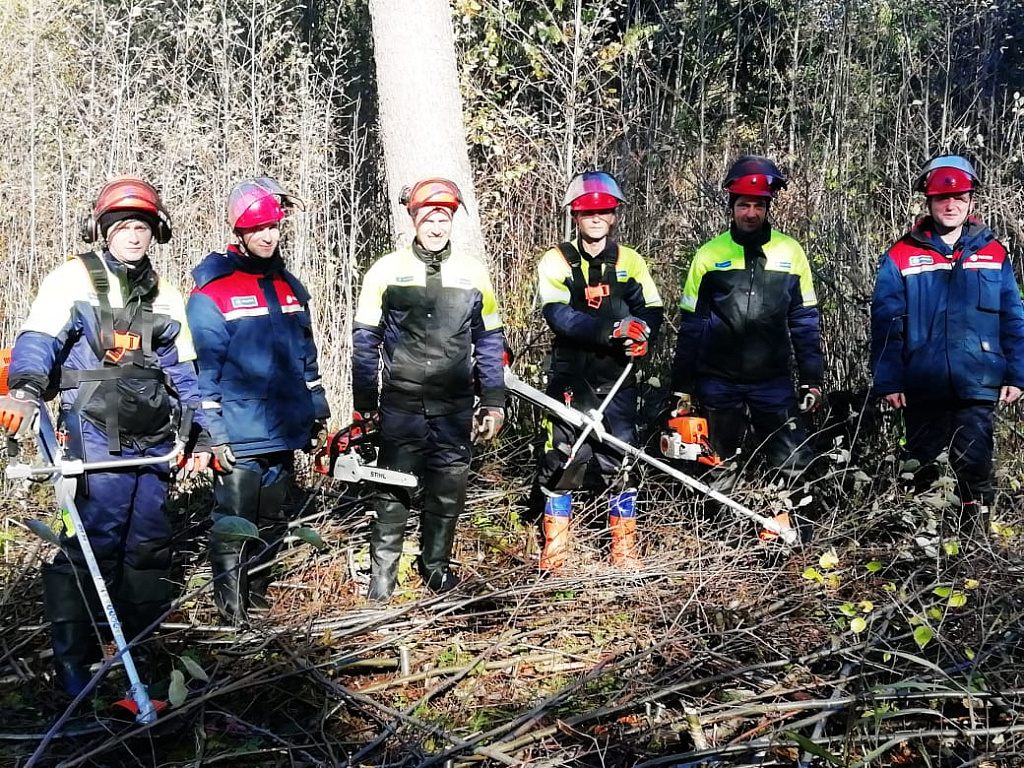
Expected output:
(946, 322)
(258, 373)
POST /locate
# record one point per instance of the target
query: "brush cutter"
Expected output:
(686, 439)
(597, 414)
(581, 420)
(349, 454)
(62, 473)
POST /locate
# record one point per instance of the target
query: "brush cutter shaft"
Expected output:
(594, 424)
(581, 420)
(64, 490)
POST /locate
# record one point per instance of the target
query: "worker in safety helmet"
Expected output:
(429, 313)
(260, 385)
(947, 333)
(748, 308)
(108, 334)
(604, 309)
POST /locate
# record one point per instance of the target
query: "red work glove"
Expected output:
(631, 327)
(635, 348)
(18, 411)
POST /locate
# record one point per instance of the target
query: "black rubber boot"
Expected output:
(238, 494)
(143, 596)
(75, 645)
(273, 523)
(387, 534)
(444, 498)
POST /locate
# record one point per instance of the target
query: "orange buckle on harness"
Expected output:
(123, 342)
(594, 294)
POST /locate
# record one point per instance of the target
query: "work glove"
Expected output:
(810, 398)
(635, 348)
(19, 412)
(684, 403)
(224, 460)
(631, 327)
(487, 423)
(317, 436)
(191, 465)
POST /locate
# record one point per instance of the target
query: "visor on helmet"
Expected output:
(593, 182)
(754, 175)
(947, 174)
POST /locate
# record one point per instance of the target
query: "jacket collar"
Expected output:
(973, 238)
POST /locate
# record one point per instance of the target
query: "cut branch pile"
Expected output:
(867, 646)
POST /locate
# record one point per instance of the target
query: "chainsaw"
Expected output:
(686, 439)
(349, 455)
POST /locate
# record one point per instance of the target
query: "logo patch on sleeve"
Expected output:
(722, 264)
(920, 261)
(404, 279)
(244, 302)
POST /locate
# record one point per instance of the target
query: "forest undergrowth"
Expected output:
(886, 639)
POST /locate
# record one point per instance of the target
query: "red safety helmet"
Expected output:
(754, 175)
(258, 202)
(947, 175)
(432, 193)
(593, 191)
(122, 195)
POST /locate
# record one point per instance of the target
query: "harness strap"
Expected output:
(70, 379)
(98, 274)
(597, 285)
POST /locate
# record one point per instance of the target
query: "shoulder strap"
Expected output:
(101, 283)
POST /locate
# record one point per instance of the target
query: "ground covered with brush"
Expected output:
(882, 641)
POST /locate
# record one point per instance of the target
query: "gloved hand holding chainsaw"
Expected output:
(487, 423)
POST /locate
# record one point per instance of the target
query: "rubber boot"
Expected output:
(622, 522)
(230, 580)
(143, 596)
(75, 645)
(387, 534)
(273, 528)
(557, 514)
(238, 494)
(444, 498)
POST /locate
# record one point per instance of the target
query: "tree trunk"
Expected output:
(421, 109)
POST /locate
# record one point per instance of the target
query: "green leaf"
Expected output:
(811, 574)
(858, 624)
(951, 547)
(809, 746)
(874, 566)
(934, 613)
(866, 605)
(312, 538)
(178, 691)
(971, 583)
(922, 636)
(957, 600)
(193, 669)
(43, 531)
(829, 559)
(848, 609)
(233, 528)
(942, 591)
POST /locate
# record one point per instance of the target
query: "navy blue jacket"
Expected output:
(258, 374)
(946, 322)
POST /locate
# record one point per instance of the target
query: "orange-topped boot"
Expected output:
(622, 522)
(557, 514)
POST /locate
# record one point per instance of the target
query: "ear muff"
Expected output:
(405, 195)
(89, 229)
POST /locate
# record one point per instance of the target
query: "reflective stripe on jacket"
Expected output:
(258, 371)
(583, 354)
(946, 322)
(434, 322)
(744, 320)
